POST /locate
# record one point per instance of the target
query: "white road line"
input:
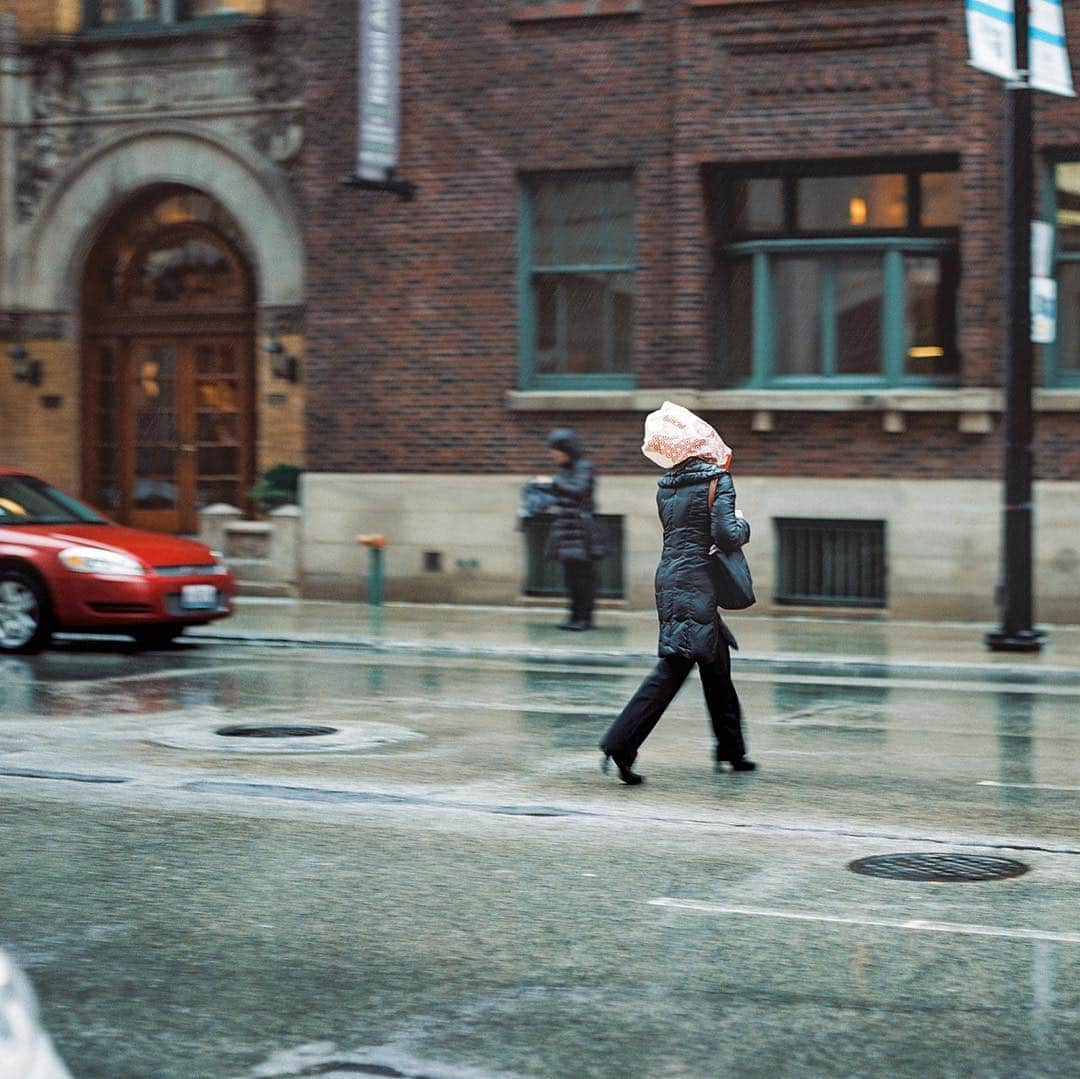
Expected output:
(915, 925)
(1026, 786)
(150, 676)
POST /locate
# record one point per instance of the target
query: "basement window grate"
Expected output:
(830, 563)
(544, 577)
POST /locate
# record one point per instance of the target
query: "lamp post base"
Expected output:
(1024, 640)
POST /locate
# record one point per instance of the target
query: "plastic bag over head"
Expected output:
(674, 433)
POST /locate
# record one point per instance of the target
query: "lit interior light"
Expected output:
(857, 211)
(926, 352)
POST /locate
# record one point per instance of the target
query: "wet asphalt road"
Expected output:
(446, 886)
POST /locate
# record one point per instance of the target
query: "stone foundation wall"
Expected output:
(942, 537)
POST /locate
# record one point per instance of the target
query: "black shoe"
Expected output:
(576, 625)
(743, 764)
(631, 779)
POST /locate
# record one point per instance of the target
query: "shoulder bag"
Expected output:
(730, 571)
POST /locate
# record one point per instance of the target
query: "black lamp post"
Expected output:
(1016, 632)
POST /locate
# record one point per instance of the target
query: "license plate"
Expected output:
(199, 597)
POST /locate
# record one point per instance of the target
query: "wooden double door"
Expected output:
(170, 426)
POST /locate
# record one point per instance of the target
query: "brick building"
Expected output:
(150, 243)
(784, 215)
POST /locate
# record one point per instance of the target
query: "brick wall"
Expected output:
(412, 305)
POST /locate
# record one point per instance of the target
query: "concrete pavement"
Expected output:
(447, 887)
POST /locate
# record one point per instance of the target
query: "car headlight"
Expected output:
(107, 563)
(219, 563)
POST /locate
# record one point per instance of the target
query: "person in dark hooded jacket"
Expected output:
(573, 535)
(691, 629)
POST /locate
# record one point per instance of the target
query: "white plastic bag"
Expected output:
(674, 433)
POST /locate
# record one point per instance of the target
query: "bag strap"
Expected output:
(712, 492)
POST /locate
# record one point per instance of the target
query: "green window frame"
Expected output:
(863, 317)
(557, 286)
(168, 15)
(1066, 260)
(896, 353)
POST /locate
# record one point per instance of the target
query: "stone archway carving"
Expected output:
(47, 274)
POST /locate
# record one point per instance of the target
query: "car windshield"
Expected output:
(27, 501)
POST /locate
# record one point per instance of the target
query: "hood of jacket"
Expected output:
(566, 440)
(694, 470)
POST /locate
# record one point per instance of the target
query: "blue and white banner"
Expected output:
(1048, 56)
(991, 26)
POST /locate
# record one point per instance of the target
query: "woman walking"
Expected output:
(696, 502)
(574, 535)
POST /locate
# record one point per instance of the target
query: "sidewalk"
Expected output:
(629, 638)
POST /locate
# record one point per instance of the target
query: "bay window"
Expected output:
(845, 279)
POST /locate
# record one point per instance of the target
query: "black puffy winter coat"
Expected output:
(572, 487)
(685, 594)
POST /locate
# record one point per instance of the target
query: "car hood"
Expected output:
(153, 548)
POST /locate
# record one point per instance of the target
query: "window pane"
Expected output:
(740, 321)
(622, 309)
(584, 323)
(545, 226)
(582, 221)
(929, 318)
(1068, 207)
(186, 271)
(796, 297)
(546, 306)
(940, 194)
(859, 289)
(1068, 347)
(758, 205)
(620, 209)
(121, 11)
(584, 299)
(585, 222)
(831, 203)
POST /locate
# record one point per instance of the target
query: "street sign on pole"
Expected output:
(1043, 310)
(1044, 291)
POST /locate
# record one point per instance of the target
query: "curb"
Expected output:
(788, 663)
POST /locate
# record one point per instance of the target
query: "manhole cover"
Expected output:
(274, 731)
(219, 732)
(939, 868)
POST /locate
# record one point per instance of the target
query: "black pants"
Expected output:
(580, 588)
(647, 705)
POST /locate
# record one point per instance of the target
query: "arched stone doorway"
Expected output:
(168, 317)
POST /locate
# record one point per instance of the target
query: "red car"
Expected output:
(65, 567)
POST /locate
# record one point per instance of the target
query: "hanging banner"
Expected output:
(991, 27)
(1048, 55)
(379, 90)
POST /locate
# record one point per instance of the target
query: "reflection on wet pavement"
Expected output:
(477, 900)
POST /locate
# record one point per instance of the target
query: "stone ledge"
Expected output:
(975, 399)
